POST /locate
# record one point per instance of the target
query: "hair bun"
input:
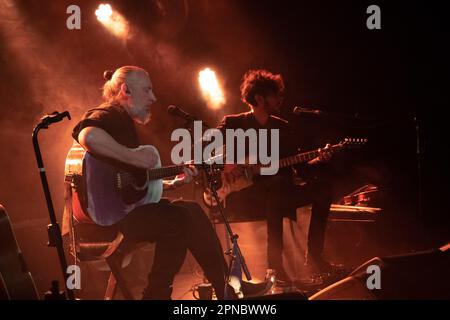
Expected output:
(108, 74)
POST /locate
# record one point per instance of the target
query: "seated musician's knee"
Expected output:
(279, 186)
(195, 211)
(188, 204)
(177, 218)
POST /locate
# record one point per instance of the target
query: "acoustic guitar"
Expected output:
(103, 189)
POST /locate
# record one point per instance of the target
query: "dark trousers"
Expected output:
(275, 197)
(176, 227)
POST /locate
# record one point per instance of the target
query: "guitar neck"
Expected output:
(165, 172)
(298, 158)
(301, 158)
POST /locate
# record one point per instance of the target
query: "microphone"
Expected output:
(299, 110)
(178, 112)
(55, 117)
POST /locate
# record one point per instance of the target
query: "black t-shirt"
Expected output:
(112, 118)
(247, 120)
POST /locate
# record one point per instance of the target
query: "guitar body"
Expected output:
(16, 282)
(104, 193)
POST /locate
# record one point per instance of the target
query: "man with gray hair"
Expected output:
(108, 132)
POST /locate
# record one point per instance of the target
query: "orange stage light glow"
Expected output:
(211, 88)
(112, 20)
(104, 12)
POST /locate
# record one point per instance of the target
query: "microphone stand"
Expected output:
(53, 229)
(233, 237)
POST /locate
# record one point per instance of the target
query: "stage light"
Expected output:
(211, 88)
(104, 12)
(112, 20)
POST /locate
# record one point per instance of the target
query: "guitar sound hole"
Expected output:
(128, 182)
(139, 178)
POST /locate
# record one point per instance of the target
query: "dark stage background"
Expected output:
(329, 60)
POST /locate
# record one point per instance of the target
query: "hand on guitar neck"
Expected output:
(325, 155)
(187, 176)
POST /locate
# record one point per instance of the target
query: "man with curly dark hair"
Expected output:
(275, 197)
(262, 83)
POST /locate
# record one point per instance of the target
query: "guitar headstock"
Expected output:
(353, 142)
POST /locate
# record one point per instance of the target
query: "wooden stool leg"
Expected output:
(111, 288)
(114, 265)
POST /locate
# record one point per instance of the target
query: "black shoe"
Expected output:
(323, 266)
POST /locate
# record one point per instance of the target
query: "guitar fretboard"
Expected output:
(165, 172)
(125, 178)
(298, 158)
